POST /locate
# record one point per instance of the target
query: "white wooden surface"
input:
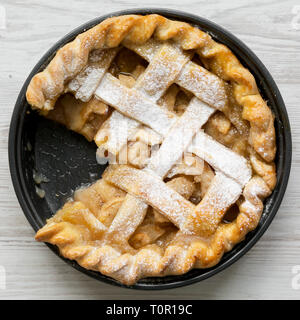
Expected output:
(270, 28)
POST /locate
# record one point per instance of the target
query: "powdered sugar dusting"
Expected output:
(129, 217)
(221, 158)
(203, 84)
(86, 82)
(180, 136)
(146, 50)
(114, 133)
(153, 191)
(222, 193)
(134, 104)
(162, 71)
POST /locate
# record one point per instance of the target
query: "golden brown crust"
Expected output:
(74, 237)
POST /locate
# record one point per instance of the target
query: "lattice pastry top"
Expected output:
(189, 140)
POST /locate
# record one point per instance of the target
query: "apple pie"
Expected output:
(188, 140)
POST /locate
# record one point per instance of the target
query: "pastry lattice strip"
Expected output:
(138, 103)
(203, 84)
(159, 75)
(87, 81)
(168, 64)
(149, 189)
(235, 166)
(134, 211)
(149, 86)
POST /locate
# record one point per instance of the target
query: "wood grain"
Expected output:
(32, 270)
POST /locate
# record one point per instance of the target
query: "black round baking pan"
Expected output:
(68, 160)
